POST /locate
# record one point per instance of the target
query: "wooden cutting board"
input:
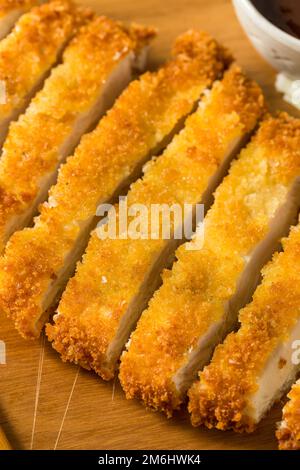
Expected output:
(45, 404)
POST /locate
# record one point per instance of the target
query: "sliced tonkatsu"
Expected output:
(39, 260)
(114, 282)
(254, 366)
(96, 66)
(30, 50)
(200, 298)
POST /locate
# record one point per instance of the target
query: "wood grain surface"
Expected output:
(45, 404)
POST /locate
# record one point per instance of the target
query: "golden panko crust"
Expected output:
(32, 149)
(112, 271)
(141, 35)
(288, 433)
(33, 46)
(221, 397)
(193, 295)
(146, 112)
(7, 6)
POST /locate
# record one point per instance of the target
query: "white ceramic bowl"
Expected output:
(279, 48)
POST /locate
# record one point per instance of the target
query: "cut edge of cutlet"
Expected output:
(288, 432)
(220, 397)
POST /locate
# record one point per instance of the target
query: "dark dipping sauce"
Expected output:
(285, 14)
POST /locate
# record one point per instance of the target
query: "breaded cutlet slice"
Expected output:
(97, 65)
(117, 277)
(10, 12)
(200, 298)
(38, 261)
(288, 433)
(30, 50)
(254, 366)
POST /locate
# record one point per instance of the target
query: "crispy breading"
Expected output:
(146, 112)
(113, 270)
(288, 433)
(9, 5)
(193, 299)
(30, 50)
(222, 397)
(38, 141)
(10, 11)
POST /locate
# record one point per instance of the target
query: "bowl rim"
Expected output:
(264, 23)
